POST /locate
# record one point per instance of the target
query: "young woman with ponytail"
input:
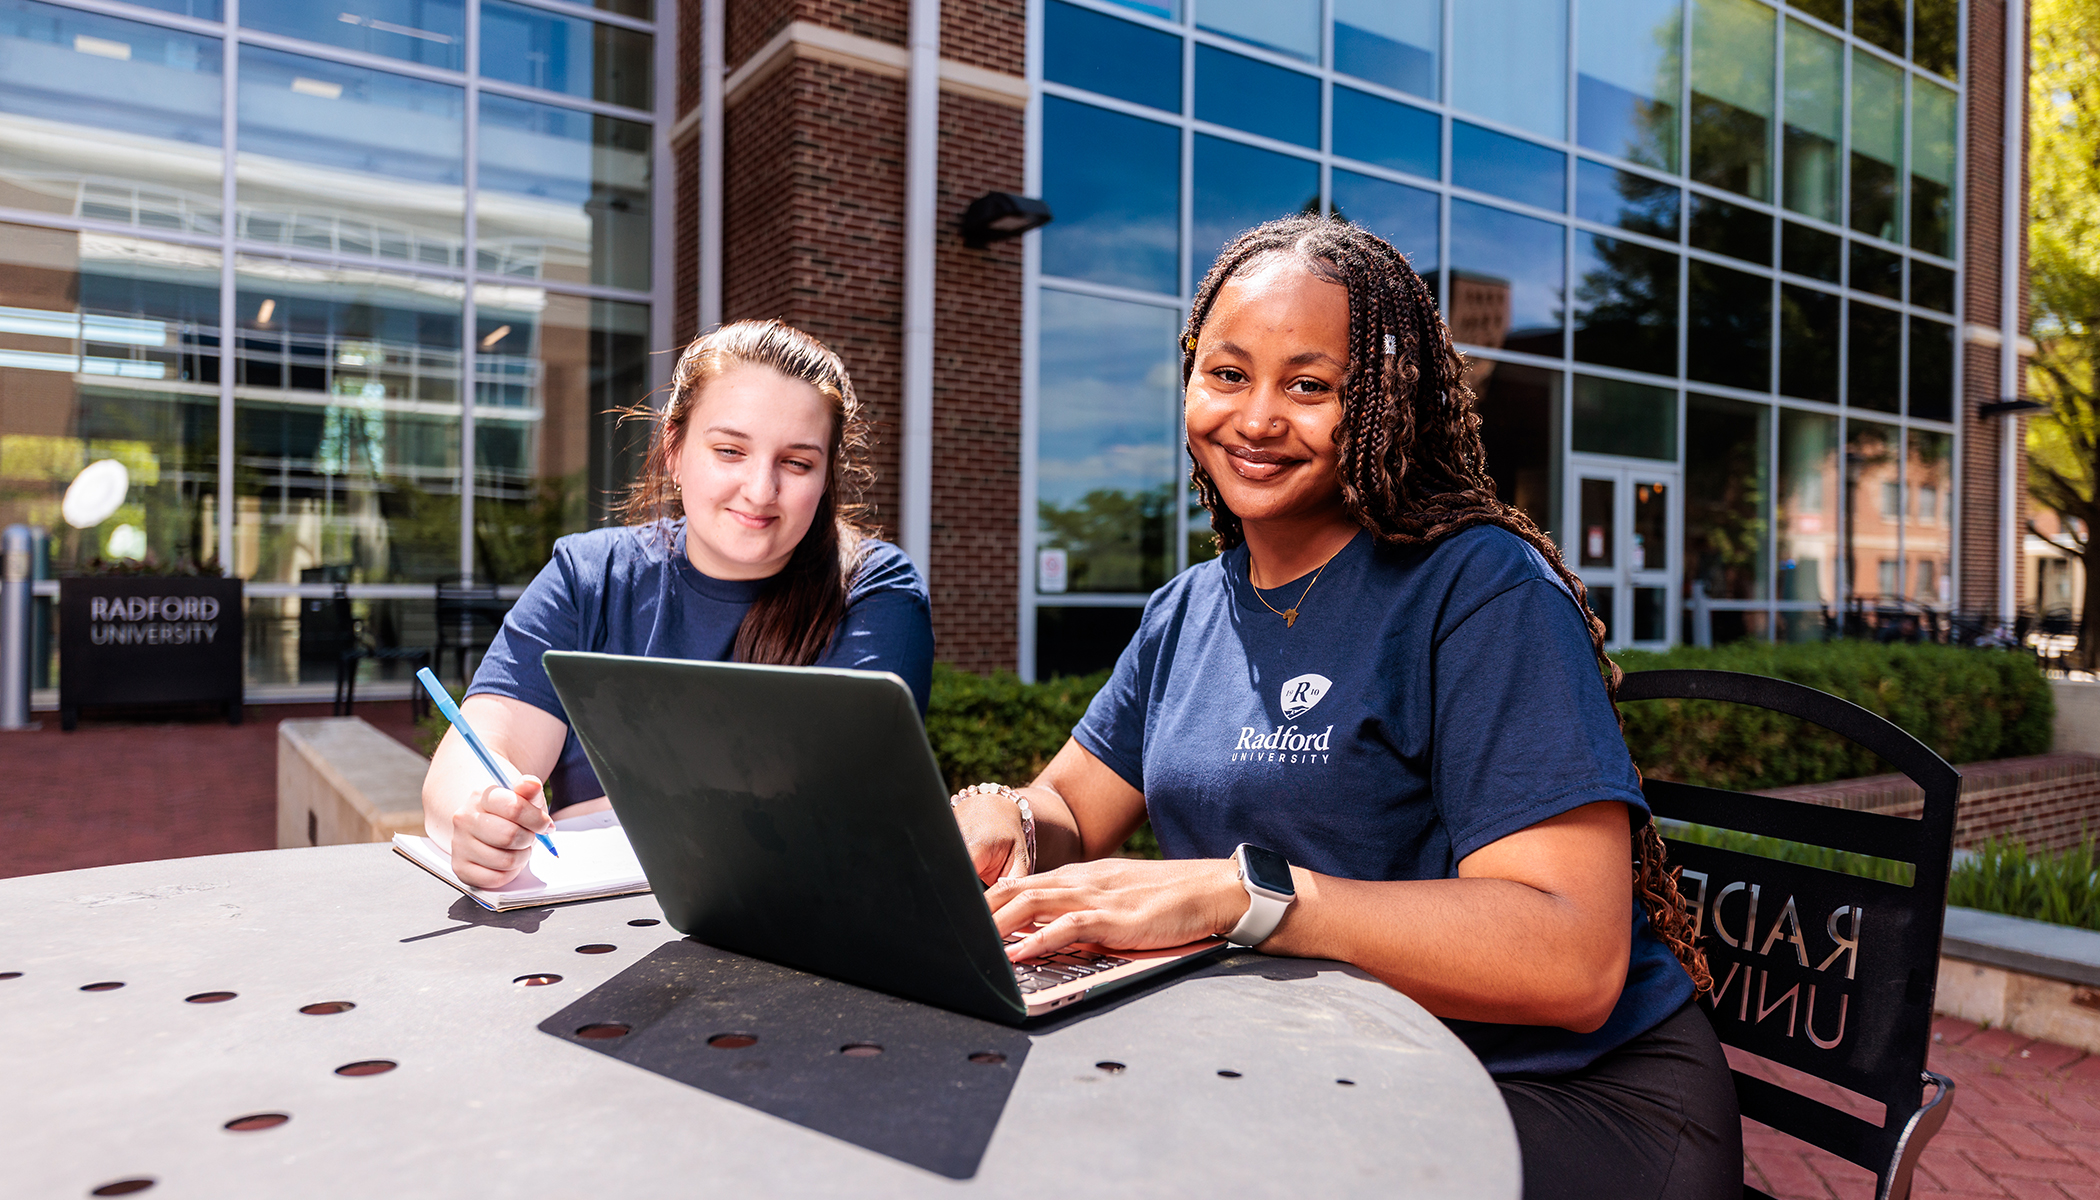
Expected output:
(745, 543)
(1389, 687)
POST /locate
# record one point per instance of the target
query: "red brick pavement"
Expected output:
(2026, 1123)
(2026, 1119)
(115, 792)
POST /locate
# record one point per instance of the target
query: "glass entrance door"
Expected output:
(1623, 544)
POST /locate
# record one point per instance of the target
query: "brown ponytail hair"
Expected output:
(795, 615)
(1413, 469)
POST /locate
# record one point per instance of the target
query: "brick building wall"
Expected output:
(2049, 801)
(1983, 215)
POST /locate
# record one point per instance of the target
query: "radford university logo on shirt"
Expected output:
(1284, 744)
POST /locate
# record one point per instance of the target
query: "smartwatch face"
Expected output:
(1267, 870)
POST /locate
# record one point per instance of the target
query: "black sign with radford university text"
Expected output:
(148, 640)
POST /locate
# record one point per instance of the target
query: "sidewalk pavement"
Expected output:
(2026, 1120)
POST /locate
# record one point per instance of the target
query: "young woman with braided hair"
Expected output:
(1379, 728)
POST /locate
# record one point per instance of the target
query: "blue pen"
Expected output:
(443, 699)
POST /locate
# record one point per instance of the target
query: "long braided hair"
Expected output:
(1412, 466)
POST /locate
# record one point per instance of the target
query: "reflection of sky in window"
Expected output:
(1511, 168)
(1242, 93)
(1286, 26)
(1527, 253)
(1109, 397)
(1114, 183)
(540, 49)
(1402, 215)
(1510, 62)
(1375, 130)
(78, 68)
(1123, 59)
(431, 32)
(1239, 187)
(1393, 42)
(353, 118)
(1626, 80)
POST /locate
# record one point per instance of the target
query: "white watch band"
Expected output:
(1265, 910)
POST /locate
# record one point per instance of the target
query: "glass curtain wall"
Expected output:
(415, 213)
(1699, 237)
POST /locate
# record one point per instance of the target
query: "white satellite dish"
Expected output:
(96, 493)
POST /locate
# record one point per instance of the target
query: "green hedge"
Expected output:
(2003, 877)
(996, 728)
(1968, 705)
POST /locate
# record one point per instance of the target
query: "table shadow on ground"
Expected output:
(911, 1082)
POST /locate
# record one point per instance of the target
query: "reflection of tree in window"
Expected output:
(1626, 305)
(1934, 32)
(1874, 357)
(1626, 81)
(1932, 169)
(1728, 338)
(1520, 428)
(1121, 539)
(1808, 343)
(1877, 146)
(1724, 496)
(1732, 82)
(1815, 117)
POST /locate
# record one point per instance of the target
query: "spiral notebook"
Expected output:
(595, 862)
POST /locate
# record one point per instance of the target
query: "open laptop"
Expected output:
(795, 814)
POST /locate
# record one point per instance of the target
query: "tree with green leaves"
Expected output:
(2063, 446)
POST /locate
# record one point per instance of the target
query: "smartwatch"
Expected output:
(1270, 893)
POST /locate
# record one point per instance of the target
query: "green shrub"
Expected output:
(1846, 862)
(1968, 705)
(2002, 877)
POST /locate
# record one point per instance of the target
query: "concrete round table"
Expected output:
(1227, 1079)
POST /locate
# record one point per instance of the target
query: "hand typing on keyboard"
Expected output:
(1120, 903)
(1064, 966)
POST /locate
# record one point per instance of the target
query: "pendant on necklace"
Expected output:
(1290, 617)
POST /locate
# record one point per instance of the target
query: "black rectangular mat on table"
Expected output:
(915, 1083)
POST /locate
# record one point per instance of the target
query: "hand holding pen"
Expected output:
(443, 699)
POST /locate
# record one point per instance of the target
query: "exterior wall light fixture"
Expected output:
(996, 216)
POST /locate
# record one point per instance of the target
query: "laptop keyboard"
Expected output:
(1050, 970)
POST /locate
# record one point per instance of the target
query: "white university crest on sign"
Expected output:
(1300, 694)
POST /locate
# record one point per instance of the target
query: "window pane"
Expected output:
(110, 352)
(1877, 271)
(349, 160)
(1931, 369)
(431, 32)
(1239, 187)
(564, 194)
(1286, 26)
(1808, 251)
(1807, 518)
(1725, 485)
(1931, 286)
(1934, 35)
(1237, 91)
(1506, 273)
(347, 428)
(203, 10)
(1509, 167)
(1108, 467)
(1731, 229)
(1625, 305)
(1116, 58)
(1613, 416)
(1627, 78)
(1728, 332)
(1871, 530)
(1932, 169)
(548, 453)
(1393, 42)
(1610, 196)
(1879, 22)
(1496, 41)
(1815, 120)
(1808, 343)
(536, 48)
(1081, 641)
(1402, 215)
(1115, 184)
(1599, 525)
(1927, 534)
(1520, 429)
(1874, 356)
(1732, 80)
(1169, 10)
(1399, 136)
(109, 119)
(1877, 146)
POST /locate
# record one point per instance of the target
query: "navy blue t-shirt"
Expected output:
(631, 590)
(1429, 701)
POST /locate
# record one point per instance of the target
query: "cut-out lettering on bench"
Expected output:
(1771, 965)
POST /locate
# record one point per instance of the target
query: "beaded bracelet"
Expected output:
(1027, 816)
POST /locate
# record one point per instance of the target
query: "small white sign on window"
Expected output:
(1050, 571)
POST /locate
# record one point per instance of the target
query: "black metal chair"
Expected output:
(468, 617)
(356, 646)
(1828, 973)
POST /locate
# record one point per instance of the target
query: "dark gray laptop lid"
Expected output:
(794, 814)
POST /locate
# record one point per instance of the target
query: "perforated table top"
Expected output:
(335, 1022)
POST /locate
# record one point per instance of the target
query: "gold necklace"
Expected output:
(1289, 615)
